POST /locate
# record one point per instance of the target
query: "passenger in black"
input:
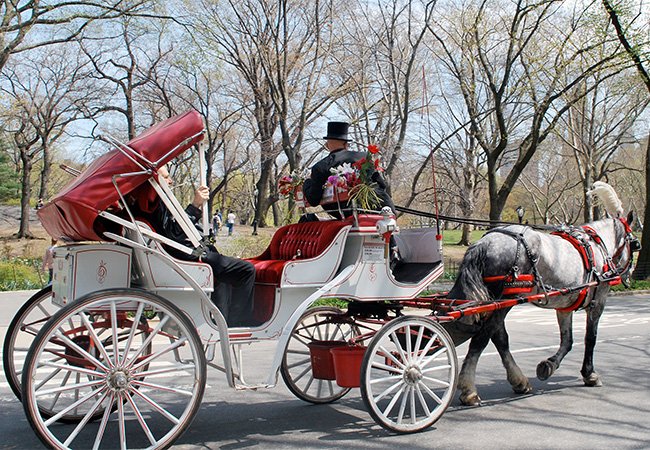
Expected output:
(234, 278)
(337, 143)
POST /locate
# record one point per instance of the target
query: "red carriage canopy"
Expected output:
(73, 213)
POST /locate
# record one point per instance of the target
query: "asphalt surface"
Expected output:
(560, 413)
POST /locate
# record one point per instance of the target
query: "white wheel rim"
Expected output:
(147, 390)
(409, 383)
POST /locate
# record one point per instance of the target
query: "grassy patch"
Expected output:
(635, 285)
(21, 273)
(452, 237)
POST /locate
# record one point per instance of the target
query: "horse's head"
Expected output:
(626, 244)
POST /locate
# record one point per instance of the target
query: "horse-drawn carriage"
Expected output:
(124, 355)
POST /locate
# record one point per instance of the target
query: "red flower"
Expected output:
(373, 149)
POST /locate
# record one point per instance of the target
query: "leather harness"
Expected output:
(580, 238)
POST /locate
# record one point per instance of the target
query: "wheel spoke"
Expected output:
(85, 420)
(178, 368)
(423, 401)
(72, 368)
(98, 343)
(147, 341)
(389, 355)
(121, 420)
(136, 321)
(159, 353)
(154, 404)
(399, 347)
(301, 362)
(394, 400)
(163, 388)
(431, 393)
(74, 405)
(102, 426)
(80, 350)
(141, 420)
(69, 387)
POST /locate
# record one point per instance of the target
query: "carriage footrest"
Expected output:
(413, 272)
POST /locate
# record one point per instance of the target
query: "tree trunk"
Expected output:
(263, 193)
(24, 231)
(45, 173)
(642, 269)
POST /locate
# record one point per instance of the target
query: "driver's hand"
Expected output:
(201, 195)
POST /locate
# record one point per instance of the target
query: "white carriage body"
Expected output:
(84, 268)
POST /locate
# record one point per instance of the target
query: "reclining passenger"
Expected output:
(234, 278)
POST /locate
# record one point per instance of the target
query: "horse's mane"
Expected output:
(607, 195)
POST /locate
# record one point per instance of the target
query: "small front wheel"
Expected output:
(409, 374)
(96, 355)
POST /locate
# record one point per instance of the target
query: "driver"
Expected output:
(234, 278)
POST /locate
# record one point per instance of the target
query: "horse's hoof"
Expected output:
(592, 380)
(545, 369)
(470, 400)
(523, 388)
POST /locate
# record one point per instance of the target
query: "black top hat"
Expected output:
(337, 130)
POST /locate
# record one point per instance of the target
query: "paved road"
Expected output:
(559, 414)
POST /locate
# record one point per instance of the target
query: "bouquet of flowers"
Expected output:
(288, 184)
(357, 178)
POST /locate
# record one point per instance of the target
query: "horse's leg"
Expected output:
(466, 378)
(589, 375)
(546, 368)
(516, 378)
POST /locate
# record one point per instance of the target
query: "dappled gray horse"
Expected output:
(518, 260)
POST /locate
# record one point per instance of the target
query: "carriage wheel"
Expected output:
(407, 383)
(148, 391)
(296, 369)
(21, 332)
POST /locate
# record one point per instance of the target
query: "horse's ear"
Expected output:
(630, 218)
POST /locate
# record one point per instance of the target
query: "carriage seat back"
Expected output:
(302, 253)
(152, 273)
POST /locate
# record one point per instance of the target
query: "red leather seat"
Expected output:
(294, 242)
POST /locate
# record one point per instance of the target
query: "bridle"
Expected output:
(631, 243)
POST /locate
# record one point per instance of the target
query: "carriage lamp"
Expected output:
(520, 213)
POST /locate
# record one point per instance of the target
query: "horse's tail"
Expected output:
(469, 284)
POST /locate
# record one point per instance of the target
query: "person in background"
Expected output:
(230, 221)
(216, 222)
(48, 260)
(234, 278)
(336, 143)
(40, 204)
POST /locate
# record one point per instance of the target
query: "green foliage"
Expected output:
(20, 273)
(9, 180)
(635, 285)
(337, 302)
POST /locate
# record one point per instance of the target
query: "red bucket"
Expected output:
(322, 363)
(347, 365)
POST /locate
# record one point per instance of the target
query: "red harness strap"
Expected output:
(586, 252)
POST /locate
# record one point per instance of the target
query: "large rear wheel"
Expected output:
(148, 391)
(408, 374)
(318, 324)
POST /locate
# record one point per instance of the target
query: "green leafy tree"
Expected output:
(9, 181)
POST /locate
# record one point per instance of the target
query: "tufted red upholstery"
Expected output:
(294, 242)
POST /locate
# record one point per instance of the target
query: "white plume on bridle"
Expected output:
(607, 195)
